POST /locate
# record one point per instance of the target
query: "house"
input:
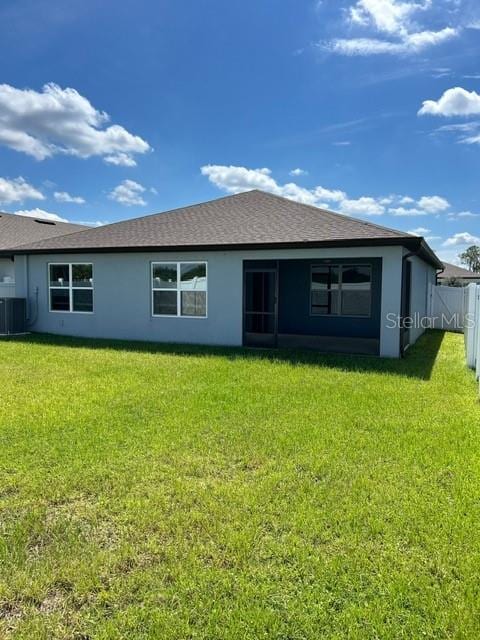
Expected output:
(456, 276)
(250, 269)
(16, 230)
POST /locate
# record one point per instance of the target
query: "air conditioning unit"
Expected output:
(13, 316)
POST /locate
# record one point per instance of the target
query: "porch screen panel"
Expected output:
(260, 302)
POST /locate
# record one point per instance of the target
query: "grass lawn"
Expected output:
(173, 492)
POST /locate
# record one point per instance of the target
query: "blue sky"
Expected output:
(117, 109)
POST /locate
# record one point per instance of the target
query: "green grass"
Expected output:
(174, 492)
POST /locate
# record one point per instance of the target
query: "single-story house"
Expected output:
(456, 276)
(249, 269)
(16, 230)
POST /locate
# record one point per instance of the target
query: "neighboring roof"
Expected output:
(452, 271)
(16, 229)
(252, 219)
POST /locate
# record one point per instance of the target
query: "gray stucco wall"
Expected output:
(422, 276)
(122, 300)
(122, 295)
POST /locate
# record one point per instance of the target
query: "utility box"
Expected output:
(13, 316)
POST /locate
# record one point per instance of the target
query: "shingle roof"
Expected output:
(253, 219)
(16, 229)
(452, 271)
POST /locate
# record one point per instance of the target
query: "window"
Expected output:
(344, 290)
(179, 289)
(71, 287)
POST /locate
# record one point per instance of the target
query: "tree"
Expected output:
(453, 282)
(471, 258)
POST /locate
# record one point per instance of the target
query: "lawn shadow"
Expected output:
(417, 363)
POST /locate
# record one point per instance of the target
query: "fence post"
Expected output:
(471, 325)
(477, 329)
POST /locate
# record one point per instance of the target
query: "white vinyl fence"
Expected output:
(447, 308)
(472, 326)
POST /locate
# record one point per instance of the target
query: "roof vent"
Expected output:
(50, 222)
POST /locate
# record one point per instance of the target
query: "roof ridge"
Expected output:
(169, 211)
(64, 235)
(35, 218)
(149, 215)
(336, 214)
(253, 218)
(457, 266)
(17, 230)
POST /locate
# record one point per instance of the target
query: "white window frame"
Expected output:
(70, 287)
(178, 289)
(341, 266)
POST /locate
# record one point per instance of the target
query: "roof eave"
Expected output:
(412, 243)
(426, 253)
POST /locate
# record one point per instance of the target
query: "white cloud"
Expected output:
(402, 211)
(452, 216)
(449, 255)
(120, 160)
(413, 43)
(433, 204)
(425, 206)
(363, 47)
(362, 206)
(460, 239)
(441, 72)
(416, 42)
(333, 195)
(395, 29)
(237, 179)
(388, 16)
(468, 132)
(40, 214)
(18, 190)
(454, 102)
(92, 223)
(298, 172)
(419, 231)
(463, 127)
(56, 120)
(234, 179)
(471, 140)
(63, 196)
(128, 193)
